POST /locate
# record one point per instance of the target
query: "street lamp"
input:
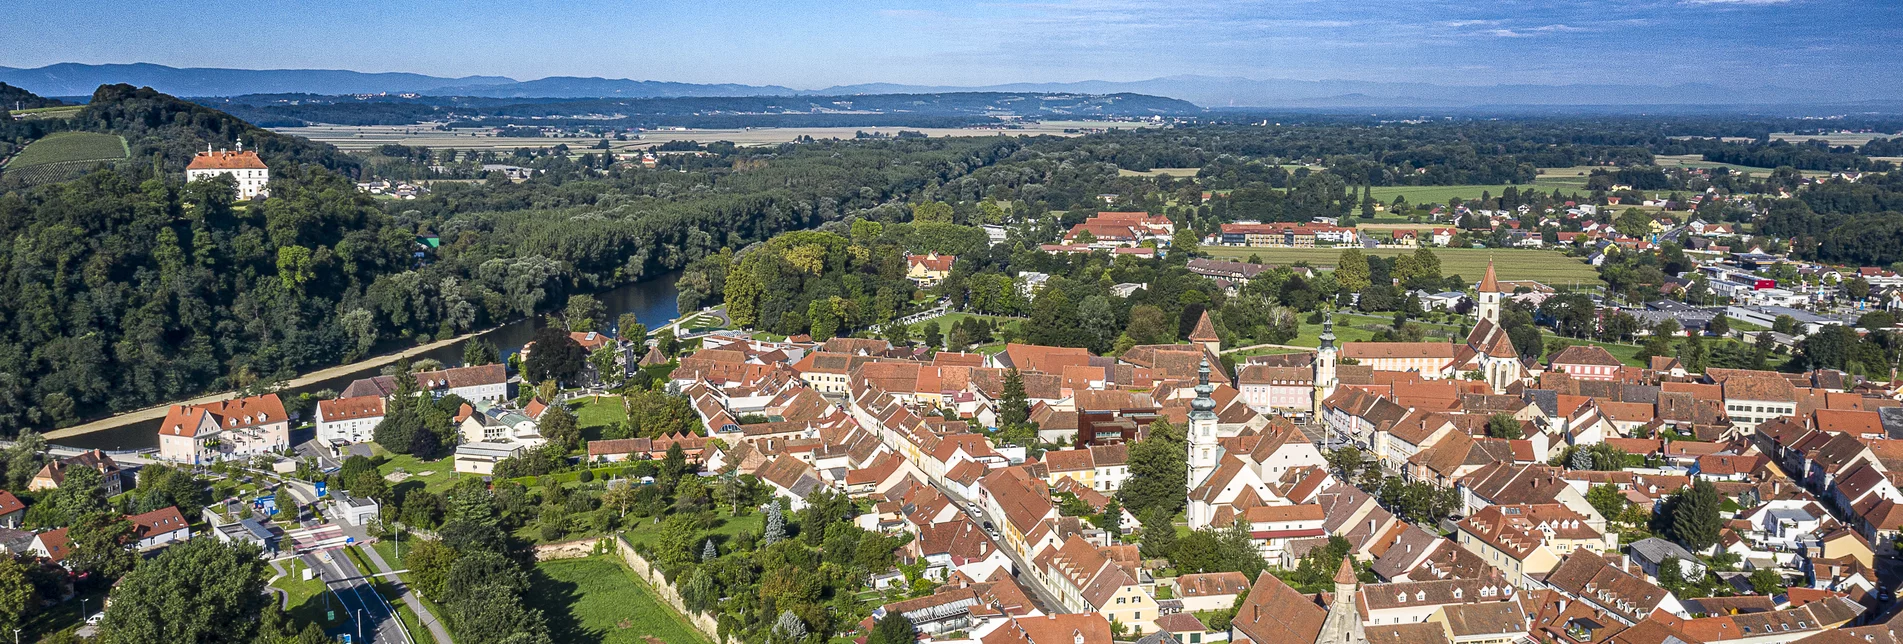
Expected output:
(359, 623)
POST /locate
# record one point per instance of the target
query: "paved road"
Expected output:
(368, 619)
(1047, 601)
(435, 626)
(409, 598)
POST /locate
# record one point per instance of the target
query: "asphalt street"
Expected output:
(367, 617)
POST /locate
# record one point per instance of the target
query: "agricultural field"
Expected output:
(1546, 266)
(55, 112)
(362, 138)
(1440, 194)
(597, 600)
(63, 156)
(1160, 172)
(1838, 138)
(1698, 161)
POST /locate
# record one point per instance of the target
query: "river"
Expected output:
(652, 301)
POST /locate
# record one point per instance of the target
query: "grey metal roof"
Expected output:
(1655, 550)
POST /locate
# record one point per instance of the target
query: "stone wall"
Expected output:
(704, 623)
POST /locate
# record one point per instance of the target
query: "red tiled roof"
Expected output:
(160, 521)
(227, 160)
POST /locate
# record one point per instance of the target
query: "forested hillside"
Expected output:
(12, 98)
(173, 129)
(129, 288)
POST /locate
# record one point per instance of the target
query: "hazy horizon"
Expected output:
(1844, 45)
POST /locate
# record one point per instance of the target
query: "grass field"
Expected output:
(308, 598)
(597, 600)
(596, 415)
(55, 112)
(63, 156)
(70, 147)
(730, 525)
(1546, 266)
(436, 476)
(1440, 194)
(946, 321)
(1160, 172)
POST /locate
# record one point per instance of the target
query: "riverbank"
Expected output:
(158, 412)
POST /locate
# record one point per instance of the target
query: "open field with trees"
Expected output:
(597, 600)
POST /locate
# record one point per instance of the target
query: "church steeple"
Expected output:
(1343, 625)
(1325, 359)
(1203, 449)
(1488, 297)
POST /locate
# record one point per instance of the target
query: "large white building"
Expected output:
(244, 167)
(350, 420)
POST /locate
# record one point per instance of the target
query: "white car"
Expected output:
(94, 620)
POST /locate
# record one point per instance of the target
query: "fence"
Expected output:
(704, 623)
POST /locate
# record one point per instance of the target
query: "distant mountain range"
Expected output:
(78, 79)
(75, 79)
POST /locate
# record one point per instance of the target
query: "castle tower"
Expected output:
(1203, 450)
(1343, 624)
(1488, 307)
(1325, 358)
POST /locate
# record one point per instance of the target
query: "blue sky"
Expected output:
(802, 44)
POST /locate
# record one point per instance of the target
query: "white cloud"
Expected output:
(1526, 32)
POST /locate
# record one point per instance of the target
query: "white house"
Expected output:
(348, 419)
(244, 167)
(217, 431)
(159, 527)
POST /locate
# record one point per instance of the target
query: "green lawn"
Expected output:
(436, 476)
(597, 600)
(309, 598)
(1546, 266)
(946, 321)
(596, 415)
(729, 526)
(70, 147)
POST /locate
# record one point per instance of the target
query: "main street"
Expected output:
(1047, 599)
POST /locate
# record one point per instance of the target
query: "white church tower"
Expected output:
(1489, 295)
(1203, 450)
(1325, 360)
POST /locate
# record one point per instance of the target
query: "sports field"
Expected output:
(1546, 266)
